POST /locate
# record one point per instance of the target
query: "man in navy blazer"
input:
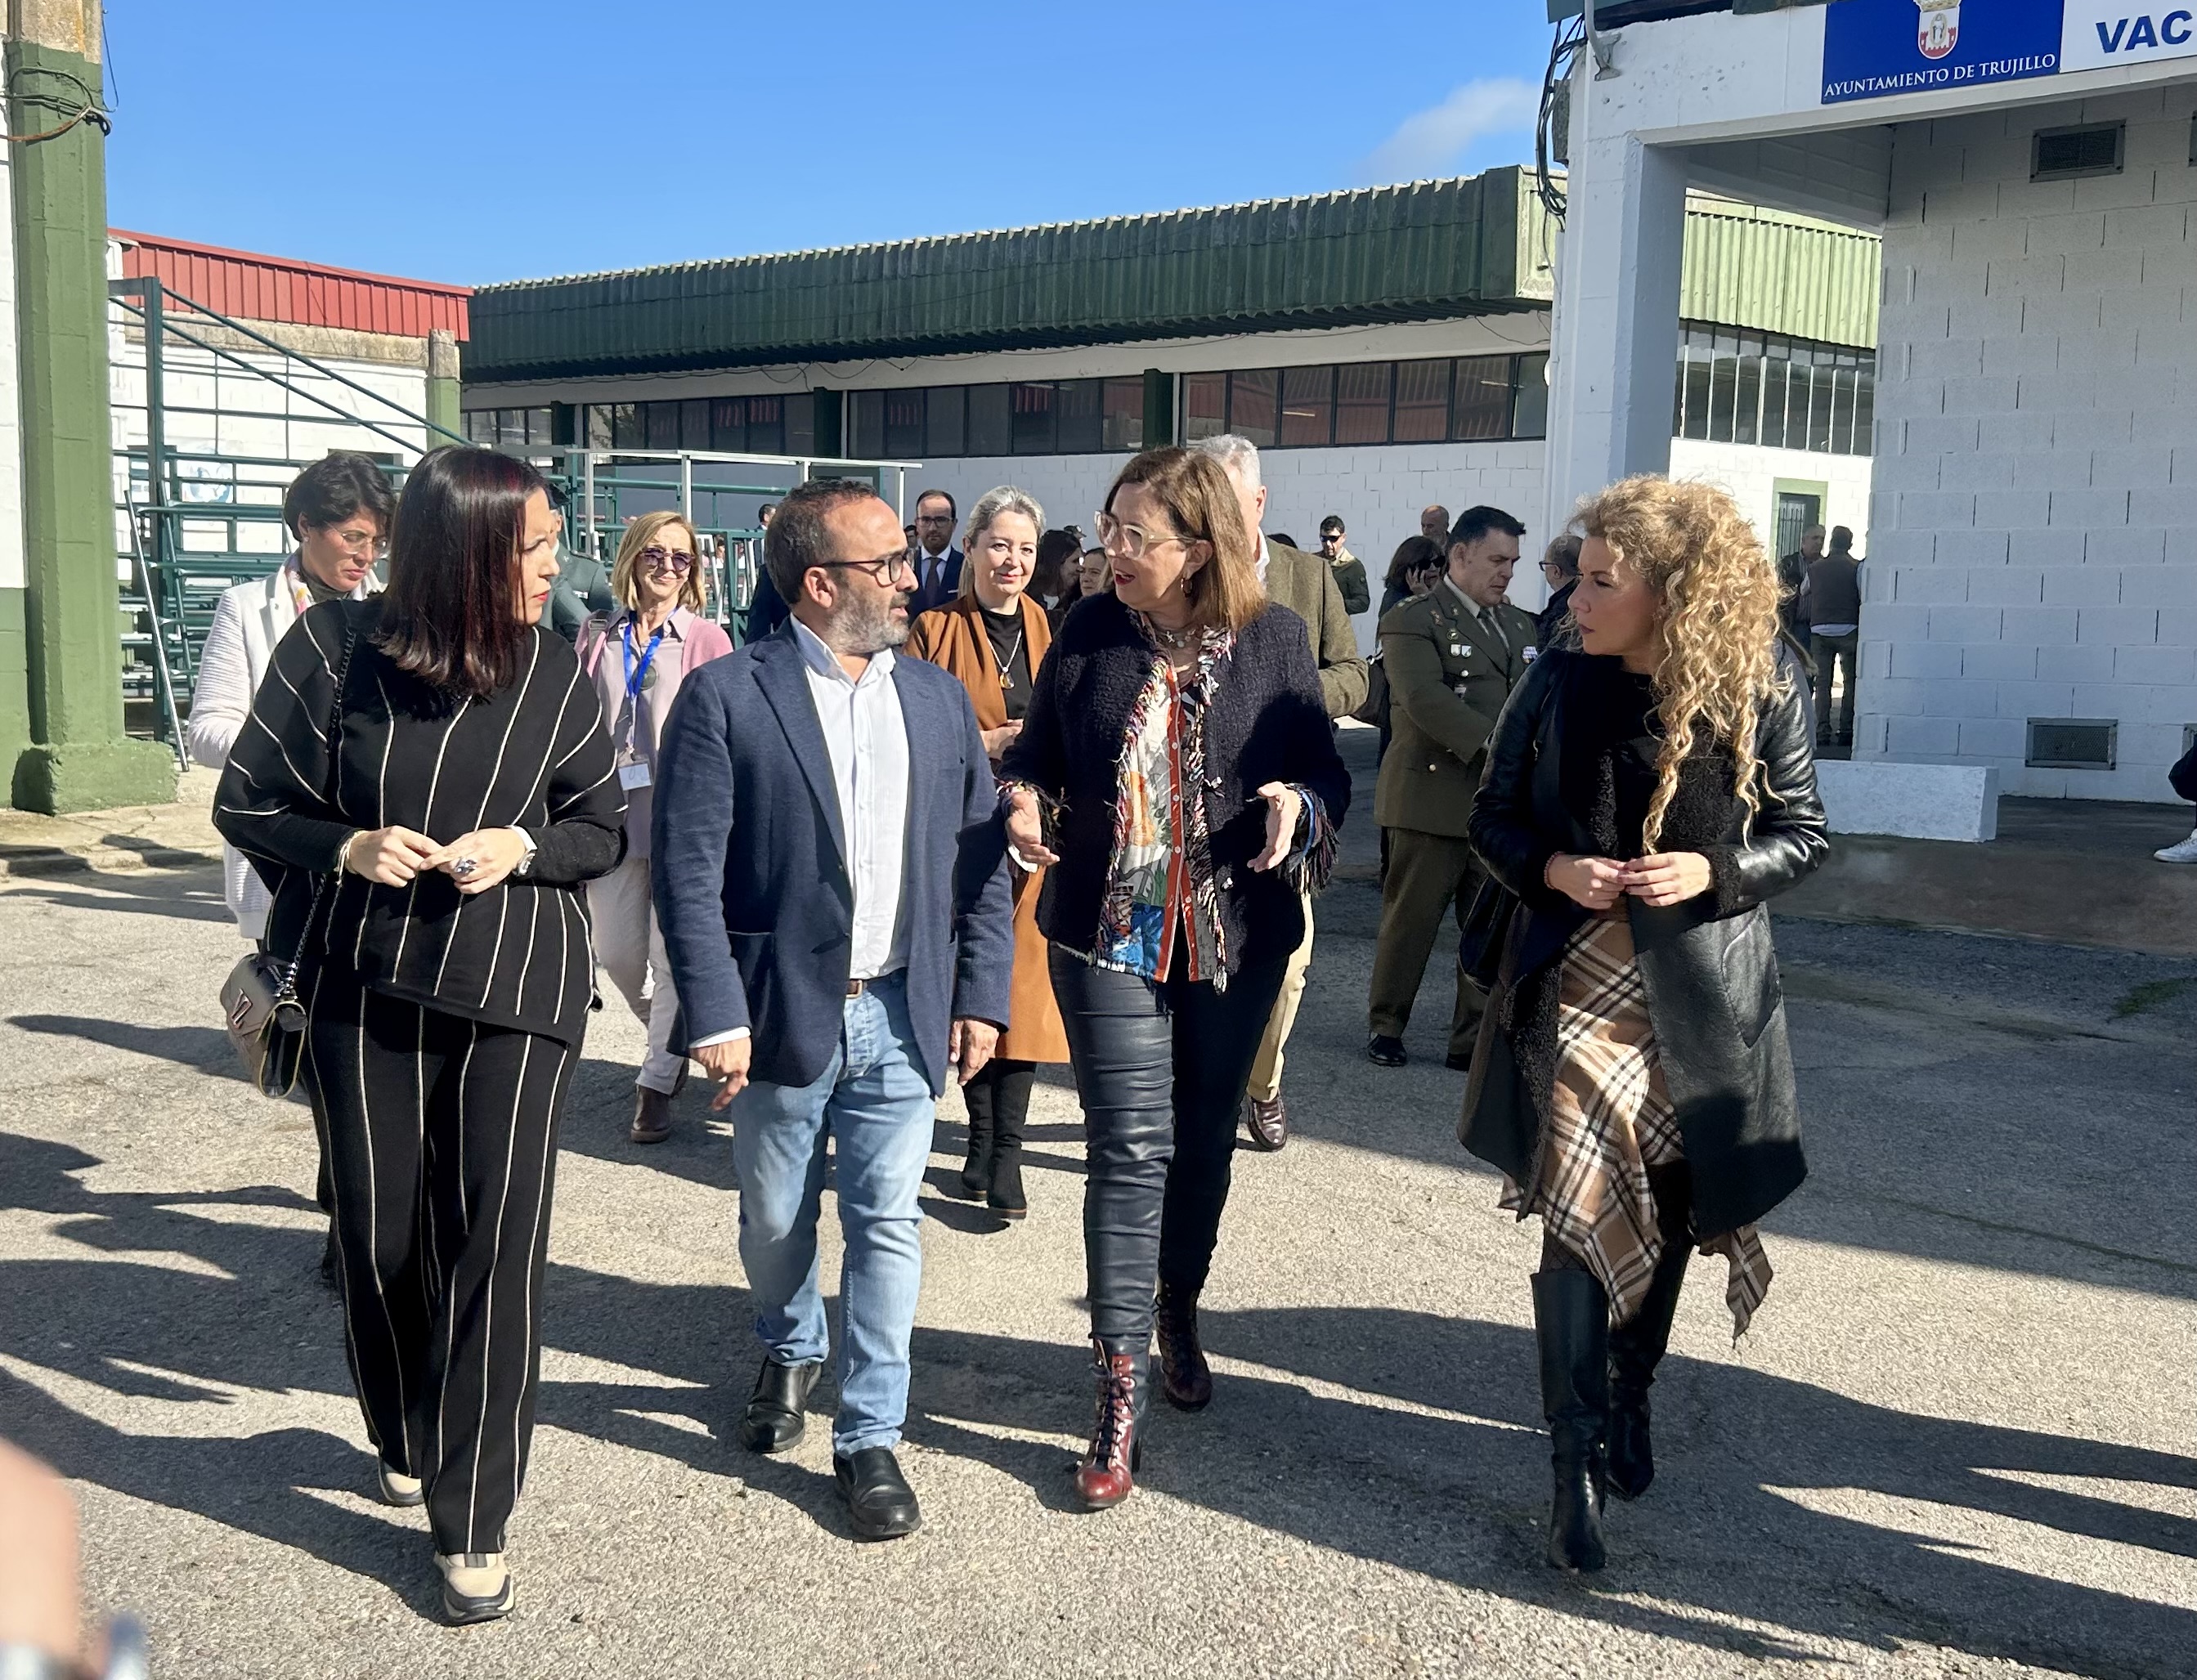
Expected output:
(831, 883)
(937, 561)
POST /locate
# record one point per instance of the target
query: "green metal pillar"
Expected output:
(443, 384)
(1159, 408)
(78, 758)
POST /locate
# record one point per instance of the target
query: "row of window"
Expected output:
(1031, 417)
(1734, 387)
(1737, 387)
(1460, 399)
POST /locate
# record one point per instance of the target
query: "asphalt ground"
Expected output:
(1958, 1441)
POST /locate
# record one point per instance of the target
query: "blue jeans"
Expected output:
(872, 1099)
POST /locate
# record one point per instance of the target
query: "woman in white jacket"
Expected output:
(339, 510)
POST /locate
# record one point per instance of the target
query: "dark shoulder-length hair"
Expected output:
(1414, 555)
(450, 616)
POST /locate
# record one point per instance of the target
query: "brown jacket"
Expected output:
(1305, 583)
(951, 638)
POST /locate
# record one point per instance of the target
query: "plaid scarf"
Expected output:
(1610, 1120)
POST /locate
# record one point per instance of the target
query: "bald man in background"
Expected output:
(1434, 525)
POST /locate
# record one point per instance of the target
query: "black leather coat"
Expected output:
(1710, 970)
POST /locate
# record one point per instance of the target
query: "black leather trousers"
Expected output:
(1161, 1069)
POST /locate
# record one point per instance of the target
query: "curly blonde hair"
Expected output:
(1716, 617)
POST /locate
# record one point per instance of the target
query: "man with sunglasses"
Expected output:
(838, 952)
(1349, 570)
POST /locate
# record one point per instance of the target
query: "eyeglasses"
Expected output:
(880, 572)
(1134, 540)
(1328, 536)
(933, 519)
(360, 542)
(677, 561)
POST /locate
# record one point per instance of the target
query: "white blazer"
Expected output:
(248, 621)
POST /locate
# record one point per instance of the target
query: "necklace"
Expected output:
(1174, 640)
(1007, 665)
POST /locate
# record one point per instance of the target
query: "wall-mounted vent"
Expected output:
(2062, 153)
(2071, 743)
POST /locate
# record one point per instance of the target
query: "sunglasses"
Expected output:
(677, 561)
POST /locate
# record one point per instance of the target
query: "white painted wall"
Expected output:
(1751, 474)
(2035, 526)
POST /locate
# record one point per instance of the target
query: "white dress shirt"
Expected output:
(867, 741)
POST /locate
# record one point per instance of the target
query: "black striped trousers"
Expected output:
(440, 1135)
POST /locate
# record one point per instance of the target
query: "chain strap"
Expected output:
(286, 991)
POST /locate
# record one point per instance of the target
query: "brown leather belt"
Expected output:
(856, 987)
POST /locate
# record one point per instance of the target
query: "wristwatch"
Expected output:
(525, 864)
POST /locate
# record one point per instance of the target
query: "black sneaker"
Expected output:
(1384, 1052)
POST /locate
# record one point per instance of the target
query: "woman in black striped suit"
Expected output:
(428, 857)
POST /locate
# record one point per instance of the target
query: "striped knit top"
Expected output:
(531, 756)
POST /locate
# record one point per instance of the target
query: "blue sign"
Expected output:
(1874, 48)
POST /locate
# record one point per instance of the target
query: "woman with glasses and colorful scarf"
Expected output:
(1646, 792)
(637, 657)
(1177, 777)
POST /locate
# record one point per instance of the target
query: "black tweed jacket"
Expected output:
(1268, 723)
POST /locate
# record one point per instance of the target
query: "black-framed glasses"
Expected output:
(880, 572)
(677, 561)
(1328, 536)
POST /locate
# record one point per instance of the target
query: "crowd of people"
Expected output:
(967, 798)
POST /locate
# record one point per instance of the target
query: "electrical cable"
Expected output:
(1571, 36)
(81, 103)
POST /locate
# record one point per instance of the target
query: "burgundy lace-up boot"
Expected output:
(1187, 1379)
(1107, 1474)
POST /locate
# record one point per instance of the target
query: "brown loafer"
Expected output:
(1267, 1121)
(651, 1116)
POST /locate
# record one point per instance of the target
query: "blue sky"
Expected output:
(479, 139)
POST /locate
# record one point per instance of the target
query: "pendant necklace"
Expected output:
(1007, 665)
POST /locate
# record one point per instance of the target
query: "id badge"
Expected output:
(631, 776)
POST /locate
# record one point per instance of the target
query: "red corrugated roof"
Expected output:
(251, 286)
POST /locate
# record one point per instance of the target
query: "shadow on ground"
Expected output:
(199, 1305)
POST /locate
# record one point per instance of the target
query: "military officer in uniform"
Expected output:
(1453, 655)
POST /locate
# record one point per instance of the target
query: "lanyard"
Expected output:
(635, 676)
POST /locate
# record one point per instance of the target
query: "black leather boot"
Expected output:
(977, 1171)
(1571, 1322)
(1636, 1347)
(1011, 1093)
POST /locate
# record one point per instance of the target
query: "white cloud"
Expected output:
(1431, 142)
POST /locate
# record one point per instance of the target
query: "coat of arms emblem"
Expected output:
(1938, 26)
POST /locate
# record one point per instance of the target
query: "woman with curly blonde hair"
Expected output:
(1645, 793)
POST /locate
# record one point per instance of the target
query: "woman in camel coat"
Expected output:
(993, 637)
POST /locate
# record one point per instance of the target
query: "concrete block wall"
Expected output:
(2034, 532)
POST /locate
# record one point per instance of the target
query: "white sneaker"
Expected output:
(2182, 851)
(476, 1586)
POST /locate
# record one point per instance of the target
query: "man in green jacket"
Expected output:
(1305, 584)
(1349, 570)
(1453, 657)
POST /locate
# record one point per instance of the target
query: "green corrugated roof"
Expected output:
(1428, 251)
(1778, 273)
(1432, 250)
